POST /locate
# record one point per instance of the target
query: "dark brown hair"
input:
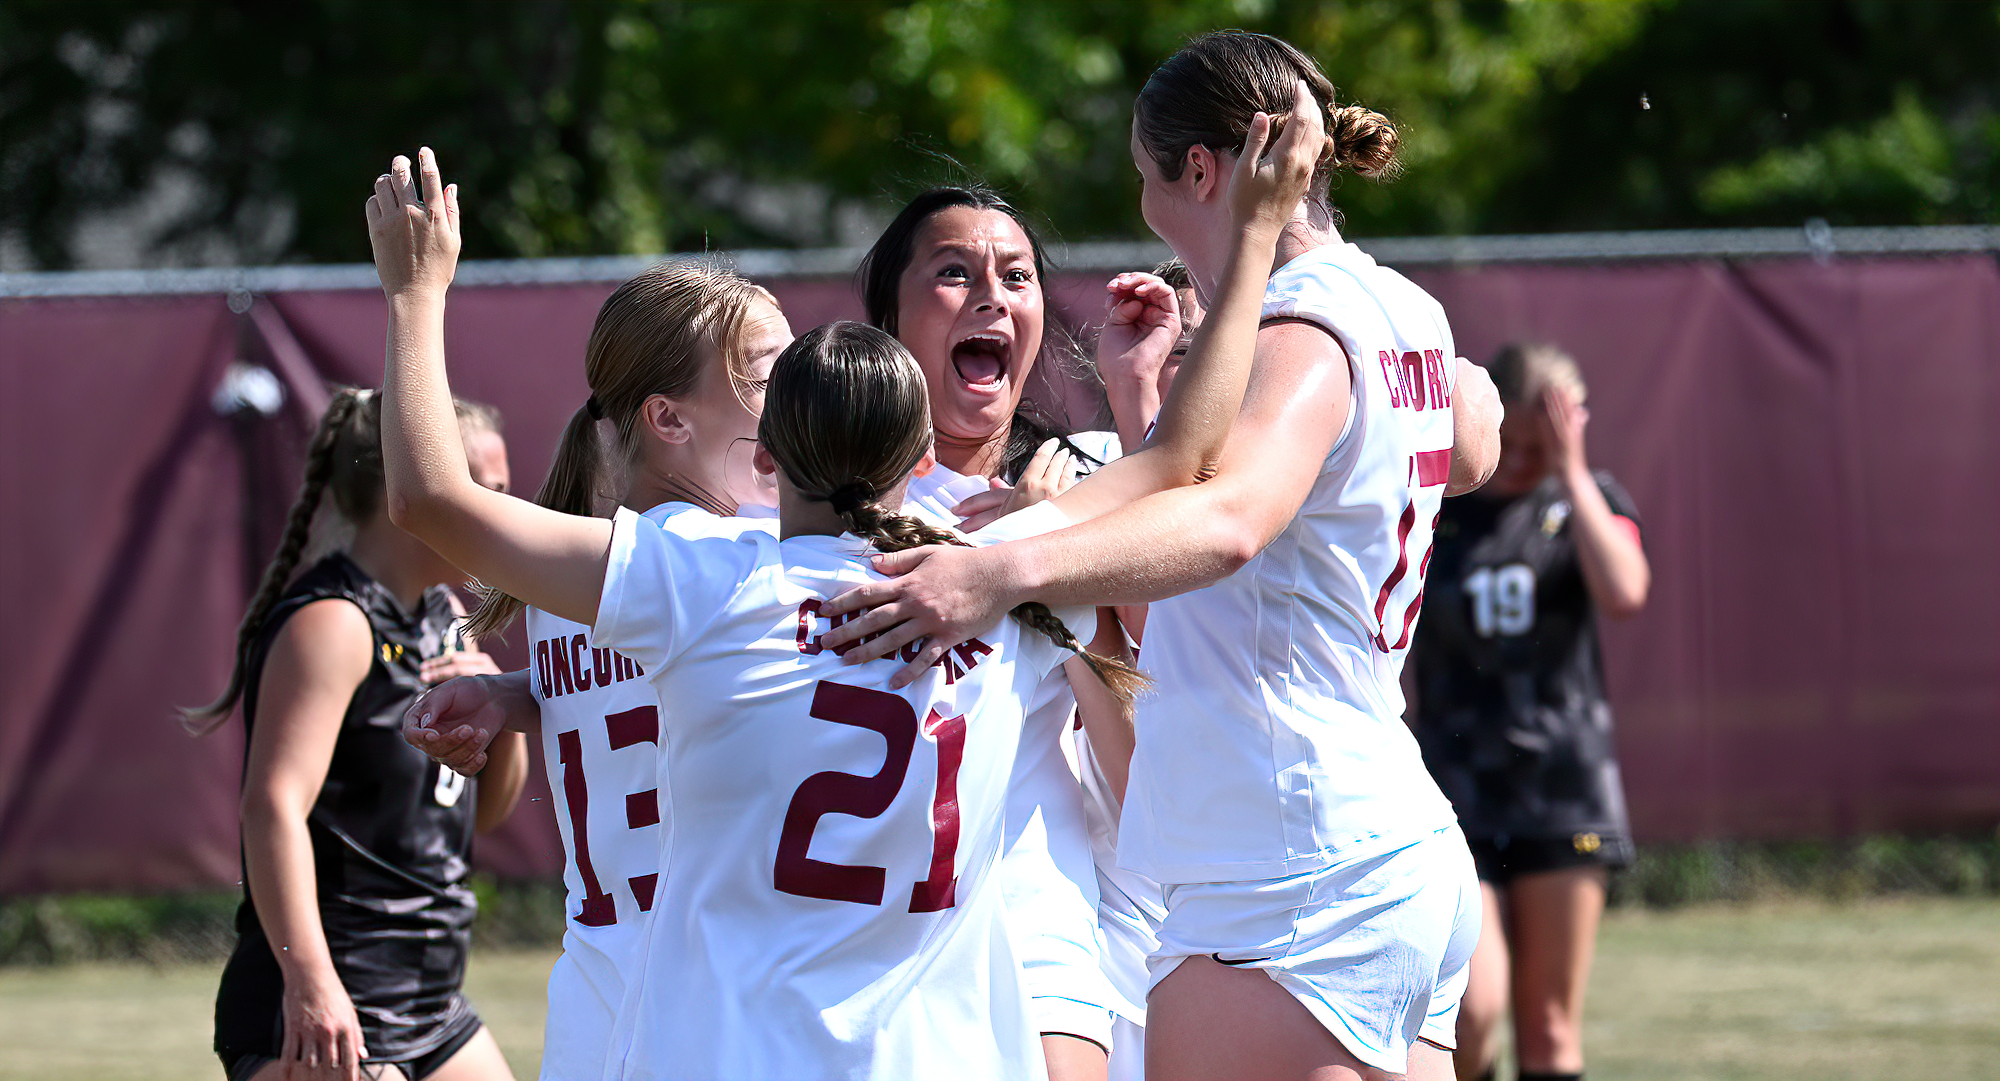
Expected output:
(847, 417)
(651, 337)
(1206, 94)
(344, 460)
(880, 281)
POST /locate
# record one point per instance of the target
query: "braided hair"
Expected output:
(846, 417)
(343, 459)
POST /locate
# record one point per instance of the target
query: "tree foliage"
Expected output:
(245, 131)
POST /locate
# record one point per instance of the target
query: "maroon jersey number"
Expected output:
(833, 792)
(641, 725)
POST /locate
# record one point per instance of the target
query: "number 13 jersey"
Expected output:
(600, 745)
(1273, 743)
(826, 905)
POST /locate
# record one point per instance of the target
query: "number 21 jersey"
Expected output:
(826, 905)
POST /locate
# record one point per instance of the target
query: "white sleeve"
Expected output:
(661, 590)
(1043, 517)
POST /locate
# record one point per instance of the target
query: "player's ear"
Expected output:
(1203, 173)
(762, 462)
(664, 419)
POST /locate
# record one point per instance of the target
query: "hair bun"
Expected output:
(1363, 140)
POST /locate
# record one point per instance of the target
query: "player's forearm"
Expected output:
(1207, 395)
(1158, 547)
(423, 456)
(500, 783)
(1614, 564)
(278, 859)
(1135, 401)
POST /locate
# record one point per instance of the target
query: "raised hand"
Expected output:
(1268, 181)
(1142, 324)
(413, 228)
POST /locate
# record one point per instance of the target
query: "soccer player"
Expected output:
(771, 961)
(957, 277)
(676, 364)
(1511, 711)
(1321, 902)
(356, 915)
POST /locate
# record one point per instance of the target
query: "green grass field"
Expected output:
(1875, 990)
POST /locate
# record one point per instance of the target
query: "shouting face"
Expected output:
(970, 310)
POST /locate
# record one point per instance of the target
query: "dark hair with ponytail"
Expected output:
(880, 280)
(651, 337)
(343, 460)
(1206, 94)
(847, 417)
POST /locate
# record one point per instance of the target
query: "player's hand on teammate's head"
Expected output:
(944, 596)
(1270, 178)
(413, 227)
(454, 722)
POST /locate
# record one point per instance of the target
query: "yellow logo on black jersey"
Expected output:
(391, 652)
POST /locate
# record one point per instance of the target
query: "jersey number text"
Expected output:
(833, 792)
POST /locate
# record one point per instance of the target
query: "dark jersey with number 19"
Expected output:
(1511, 710)
(391, 834)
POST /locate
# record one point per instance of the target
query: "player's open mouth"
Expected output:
(981, 361)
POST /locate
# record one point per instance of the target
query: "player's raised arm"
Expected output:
(553, 561)
(1264, 191)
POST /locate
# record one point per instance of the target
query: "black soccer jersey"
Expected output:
(391, 834)
(1510, 706)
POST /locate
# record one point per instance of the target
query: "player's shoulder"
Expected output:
(1615, 494)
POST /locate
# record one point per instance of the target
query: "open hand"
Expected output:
(459, 662)
(414, 231)
(945, 595)
(1564, 418)
(1265, 188)
(323, 1040)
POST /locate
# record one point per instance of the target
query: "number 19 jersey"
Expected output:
(826, 904)
(600, 745)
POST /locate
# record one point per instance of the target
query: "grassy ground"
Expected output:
(1876, 990)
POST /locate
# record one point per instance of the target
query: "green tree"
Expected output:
(250, 131)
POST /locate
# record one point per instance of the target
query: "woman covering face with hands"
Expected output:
(781, 962)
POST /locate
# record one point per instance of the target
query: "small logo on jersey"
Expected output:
(1586, 843)
(450, 785)
(1554, 517)
(391, 652)
(568, 665)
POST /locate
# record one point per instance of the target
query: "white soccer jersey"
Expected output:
(1048, 875)
(1273, 741)
(827, 905)
(601, 745)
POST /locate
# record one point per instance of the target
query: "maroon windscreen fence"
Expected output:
(1811, 443)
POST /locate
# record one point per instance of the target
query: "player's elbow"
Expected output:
(415, 510)
(1626, 599)
(1235, 540)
